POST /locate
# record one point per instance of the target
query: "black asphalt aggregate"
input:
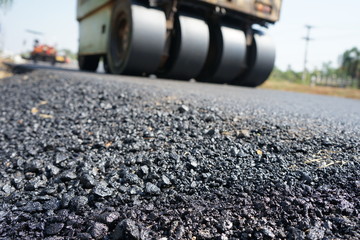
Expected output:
(92, 156)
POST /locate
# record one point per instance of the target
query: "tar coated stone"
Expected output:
(60, 157)
(87, 181)
(316, 233)
(84, 236)
(211, 132)
(67, 176)
(183, 108)
(144, 170)
(165, 180)
(193, 163)
(244, 133)
(129, 229)
(52, 170)
(234, 151)
(34, 166)
(131, 178)
(295, 234)
(174, 156)
(268, 233)
(109, 217)
(53, 228)
(152, 189)
(98, 230)
(52, 204)
(78, 203)
(101, 190)
(32, 207)
(7, 188)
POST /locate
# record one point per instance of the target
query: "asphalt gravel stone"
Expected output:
(98, 230)
(152, 189)
(90, 157)
(101, 190)
(129, 229)
(109, 217)
(87, 181)
(53, 228)
(78, 203)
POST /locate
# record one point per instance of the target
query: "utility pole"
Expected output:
(1, 41)
(307, 40)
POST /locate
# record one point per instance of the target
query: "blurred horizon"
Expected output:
(335, 29)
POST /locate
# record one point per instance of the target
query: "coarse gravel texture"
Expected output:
(89, 157)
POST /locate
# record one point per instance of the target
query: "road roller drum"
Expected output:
(206, 40)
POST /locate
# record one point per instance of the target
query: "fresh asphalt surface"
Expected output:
(289, 107)
(96, 156)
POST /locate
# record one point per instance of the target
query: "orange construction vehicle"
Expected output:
(43, 52)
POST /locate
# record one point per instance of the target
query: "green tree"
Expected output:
(69, 53)
(350, 64)
(288, 75)
(327, 70)
(5, 4)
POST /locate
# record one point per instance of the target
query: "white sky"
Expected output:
(56, 19)
(336, 28)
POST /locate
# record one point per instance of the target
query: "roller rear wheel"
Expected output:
(189, 48)
(88, 62)
(261, 58)
(137, 39)
(227, 55)
(106, 65)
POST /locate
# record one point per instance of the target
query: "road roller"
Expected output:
(218, 41)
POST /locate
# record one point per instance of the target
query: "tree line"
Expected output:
(348, 71)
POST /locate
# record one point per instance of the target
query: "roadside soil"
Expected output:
(294, 87)
(5, 71)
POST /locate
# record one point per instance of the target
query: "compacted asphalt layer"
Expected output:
(94, 156)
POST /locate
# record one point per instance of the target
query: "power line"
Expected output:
(34, 32)
(307, 40)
